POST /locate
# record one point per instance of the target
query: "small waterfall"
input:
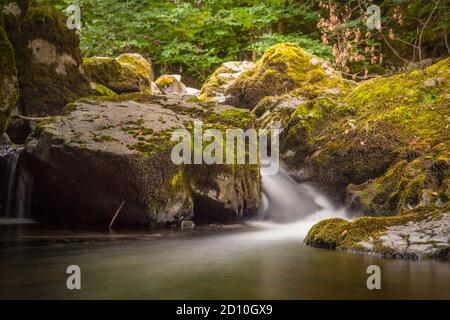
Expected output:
(290, 209)
(18, 186)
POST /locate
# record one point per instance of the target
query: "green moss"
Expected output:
(165, 81)
(138, 63)
(125, 74)
(101, 90)
(345, 235)
(103, 138)
(283, 68)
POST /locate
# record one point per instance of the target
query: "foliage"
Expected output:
(196, 36)
(193, 37)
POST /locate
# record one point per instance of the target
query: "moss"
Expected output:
(405, 185)
(103, 138)
(101, 90)
(138, 63)
(345, 235)
(236, 117)
(165, 81)
(10, 22)
(49, 73)
(9, 92)
(283, 68)
(381, 122)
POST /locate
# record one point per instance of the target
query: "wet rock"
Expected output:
(187, 225)
(418, 240)
(421, 234)
(171, 84)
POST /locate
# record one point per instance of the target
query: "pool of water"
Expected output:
(264, 260)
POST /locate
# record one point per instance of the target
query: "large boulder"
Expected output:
(49, 61)
(127, 73)
(217, 84)
(9, 86)
(283, 68)
(105, 151)
(380, 123)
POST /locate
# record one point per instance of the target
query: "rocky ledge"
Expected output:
(105, 151)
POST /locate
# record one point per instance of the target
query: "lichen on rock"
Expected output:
(105, 150)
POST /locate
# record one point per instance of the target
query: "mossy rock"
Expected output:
(100, 90)
(421, 233)
(283, 68)
(215, 87)
(9, 86)
(406, 185)
(171, 84)
(81, 155)
(48, 60)
(381, 122)
(126, 73)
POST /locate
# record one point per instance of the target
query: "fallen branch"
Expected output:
(37, 119)
(115, 216)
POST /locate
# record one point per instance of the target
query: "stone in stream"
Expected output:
(423, 233)
(104, 151)
(49, 62)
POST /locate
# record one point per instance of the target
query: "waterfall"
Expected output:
(289, 209)
(18, 186)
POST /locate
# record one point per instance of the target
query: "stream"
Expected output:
(264, 259)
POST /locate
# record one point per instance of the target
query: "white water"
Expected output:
(19, 186)
(290, 209)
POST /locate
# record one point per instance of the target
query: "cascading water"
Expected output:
(290, 209)
(17, 188)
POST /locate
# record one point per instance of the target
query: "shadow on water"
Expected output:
(267, 260)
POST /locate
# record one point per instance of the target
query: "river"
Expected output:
(266, 259)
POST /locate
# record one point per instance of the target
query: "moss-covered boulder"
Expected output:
(421, 182)
(215, 87)
(9, 86)
(383, 121)
(126, 73)
(107, 150)
(420, 234)
(283, 68)
(171, 84)
(48, 60)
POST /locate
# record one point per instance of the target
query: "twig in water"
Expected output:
(115, 215)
